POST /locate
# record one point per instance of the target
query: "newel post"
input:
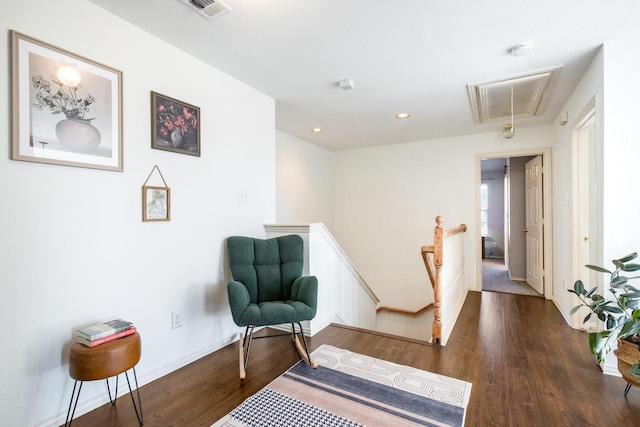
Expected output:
(436, 330)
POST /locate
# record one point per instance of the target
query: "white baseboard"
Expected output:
(610, 370)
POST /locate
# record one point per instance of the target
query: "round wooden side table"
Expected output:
(101, 363)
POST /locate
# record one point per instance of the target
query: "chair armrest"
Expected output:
(305, 289)
(238, 299)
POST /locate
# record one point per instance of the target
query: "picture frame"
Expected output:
(66, 109)
(156, 203)
(175, 125)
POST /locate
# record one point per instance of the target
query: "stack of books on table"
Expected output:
(101, 333)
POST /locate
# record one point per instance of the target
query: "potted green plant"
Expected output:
(621, 316)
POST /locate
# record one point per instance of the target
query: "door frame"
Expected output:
(588, 113)
(545, 152)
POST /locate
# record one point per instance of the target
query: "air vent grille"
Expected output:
(213, 10)
(208, 8)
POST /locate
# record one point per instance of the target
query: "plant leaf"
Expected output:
(619, 282)
(635, 370)
(574, 310)
(578, 287)
(631, 267)
(629, 257)
(592, 290)
(613, 309)
(597, 342)
(596, 268)
(593, 337)
(634, 294)
(630, 329)
(632, 288)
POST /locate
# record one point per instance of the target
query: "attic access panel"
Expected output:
(491, 101)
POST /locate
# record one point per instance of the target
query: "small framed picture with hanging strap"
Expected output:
(156, 201)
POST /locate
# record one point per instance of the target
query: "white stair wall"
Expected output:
(416, 327)
(343, 295)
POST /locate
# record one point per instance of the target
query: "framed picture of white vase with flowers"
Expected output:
(175, 125)
(66, 109)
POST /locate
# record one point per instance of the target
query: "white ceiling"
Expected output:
(415, 56)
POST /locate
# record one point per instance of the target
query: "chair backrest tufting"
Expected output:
(267, 267)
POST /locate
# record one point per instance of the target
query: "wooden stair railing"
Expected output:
(433, 267)
(403, 311)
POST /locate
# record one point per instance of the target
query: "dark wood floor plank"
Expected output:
(527, 367)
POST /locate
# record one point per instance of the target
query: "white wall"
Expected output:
(304, 182)
(591, 85)
(621, 149)
(386, 200)
(621, 204)
(73, 248)
(611, 80)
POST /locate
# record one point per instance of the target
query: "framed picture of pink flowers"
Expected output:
(175, 125)
(66, 109)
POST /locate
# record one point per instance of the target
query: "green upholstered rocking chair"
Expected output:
(268, 289)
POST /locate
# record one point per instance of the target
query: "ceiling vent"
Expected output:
(210, 9)
(491, 102)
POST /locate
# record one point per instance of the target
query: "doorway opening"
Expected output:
(512, 224)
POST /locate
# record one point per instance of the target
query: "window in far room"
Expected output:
(484, 204)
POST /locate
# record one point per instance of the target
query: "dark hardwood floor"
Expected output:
(527, 367)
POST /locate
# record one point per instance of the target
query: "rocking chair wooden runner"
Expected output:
(268, 289)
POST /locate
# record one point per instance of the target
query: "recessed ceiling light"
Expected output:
(316, 130)
(403, 116)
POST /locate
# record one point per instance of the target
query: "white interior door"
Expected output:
(507, 216)
(534, 223)
(583, 204)
(585, 196)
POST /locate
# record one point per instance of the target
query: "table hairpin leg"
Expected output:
(135, 377)
(74, 396)
(112, 400)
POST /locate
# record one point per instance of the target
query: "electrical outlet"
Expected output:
(176, 319)
(243, 197)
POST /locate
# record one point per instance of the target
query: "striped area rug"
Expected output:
(350, 389)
